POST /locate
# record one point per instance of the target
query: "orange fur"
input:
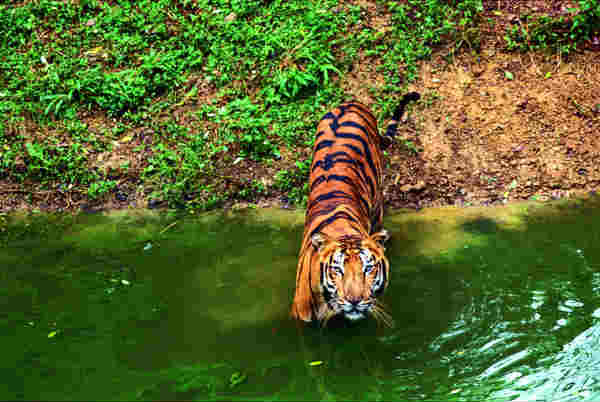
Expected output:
(345, 206)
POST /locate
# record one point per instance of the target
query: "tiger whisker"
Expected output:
(379, 317)
(327, 317)
(380, 313)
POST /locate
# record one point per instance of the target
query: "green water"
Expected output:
(494, 304)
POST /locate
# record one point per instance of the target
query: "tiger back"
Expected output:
(342, 268)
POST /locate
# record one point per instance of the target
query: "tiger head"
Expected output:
(353, 273)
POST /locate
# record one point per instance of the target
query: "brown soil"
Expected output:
(488, 139)
(484, 138)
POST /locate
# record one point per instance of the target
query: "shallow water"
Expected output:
(494, 304)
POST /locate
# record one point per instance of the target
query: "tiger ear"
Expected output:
(318, 239)
(380, 237)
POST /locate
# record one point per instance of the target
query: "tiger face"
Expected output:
(353, 274)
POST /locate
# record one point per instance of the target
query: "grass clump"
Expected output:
(294, 183)
(558, 34)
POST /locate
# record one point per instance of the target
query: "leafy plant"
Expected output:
(293, 183)
(560, 34)
(99, 188)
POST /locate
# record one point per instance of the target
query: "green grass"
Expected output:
(558, 34)
(293, 182)
(252, 78)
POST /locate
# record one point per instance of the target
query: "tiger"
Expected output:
(342, 268)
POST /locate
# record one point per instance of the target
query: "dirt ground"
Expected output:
(502, 126)
(486, 138)
(492, 127)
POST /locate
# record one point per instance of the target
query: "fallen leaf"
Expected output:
(315, 363)
(52, 334)
(509, 75)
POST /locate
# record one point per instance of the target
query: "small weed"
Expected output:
(429, 98)
(411, 147)
(99, 188)
(293, 183)
(253, 190)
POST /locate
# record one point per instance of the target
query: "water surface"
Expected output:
(494, 304)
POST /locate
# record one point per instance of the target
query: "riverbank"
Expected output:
(100, 117)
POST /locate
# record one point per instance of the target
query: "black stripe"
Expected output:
(333, 177)
(328, 115)
(323, 211)
(331, 219)
(353, 161)
(320, 133)
(362, 108)
(334, 125)
(324, 144)
(327, 295)
(362, 174)
(354, 148)
(366, 150)
(355, 125)
(328, 160)
(366, 119)
(379, 291)
(343, 179)
(329, 196)
(317, 181)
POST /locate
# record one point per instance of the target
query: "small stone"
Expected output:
(413, 187)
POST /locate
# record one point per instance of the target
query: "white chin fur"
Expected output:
(354, 315)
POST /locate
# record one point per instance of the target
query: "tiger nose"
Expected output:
(354, 301)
